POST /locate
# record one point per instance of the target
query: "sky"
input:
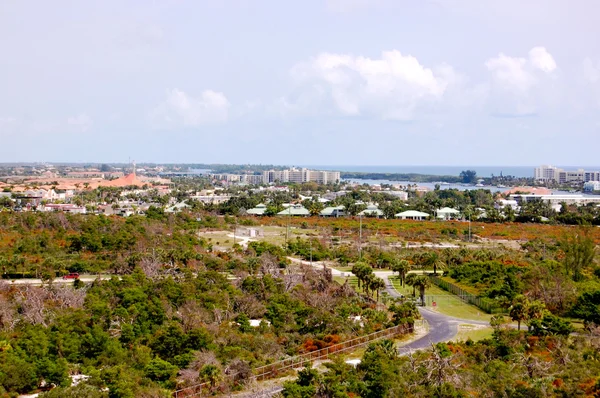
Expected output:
(330, 82)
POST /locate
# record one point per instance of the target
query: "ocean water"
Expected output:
(482, 171)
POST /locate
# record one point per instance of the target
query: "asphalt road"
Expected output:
(441, 327)
(38, 282)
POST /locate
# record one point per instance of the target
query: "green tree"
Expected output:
(161, 371)
(579, 252)
(468, 176)
(519, 310)
(211, 374)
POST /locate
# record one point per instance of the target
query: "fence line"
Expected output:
(266, 371)
(485, 304)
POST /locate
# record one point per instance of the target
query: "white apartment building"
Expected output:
(547, 173)
(300, 176)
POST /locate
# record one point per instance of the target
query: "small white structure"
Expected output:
(412, 215)
(447, 213)
(353, 362)
(371, 211)
(257, 322)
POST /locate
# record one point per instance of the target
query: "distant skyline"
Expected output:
(338, 82)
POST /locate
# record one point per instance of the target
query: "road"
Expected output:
(38, 282)
(441, 327)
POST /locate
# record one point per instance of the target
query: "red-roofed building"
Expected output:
(529, 190)
(127, 181)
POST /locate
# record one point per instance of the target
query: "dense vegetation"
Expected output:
(511, 364)
(174, 313)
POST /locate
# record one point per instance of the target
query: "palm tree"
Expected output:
(401, 267)
(422, 282)
(535, 310)
(435, 261)
(410, 281)
(519, 310)
(376, 284)
(211, 374)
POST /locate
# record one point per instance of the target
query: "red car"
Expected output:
(72, 275)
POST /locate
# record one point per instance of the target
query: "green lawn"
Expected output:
(446, 303)
(466, 332)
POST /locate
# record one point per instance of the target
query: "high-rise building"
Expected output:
(547, 173)
(300, 176)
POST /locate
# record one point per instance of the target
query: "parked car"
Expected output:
(72, 275)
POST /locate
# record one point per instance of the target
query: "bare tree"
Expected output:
(193, 315)
(67, 296)
(151, 266)
(32, 303)
(8, 314)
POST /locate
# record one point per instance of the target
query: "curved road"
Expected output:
(441, 327)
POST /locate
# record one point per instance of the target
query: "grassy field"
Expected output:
(466, 332)
(446, 303)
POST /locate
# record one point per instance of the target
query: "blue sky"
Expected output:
(379, 82)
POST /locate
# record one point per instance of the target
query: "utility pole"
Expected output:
(287, 228)
(360, 237)
(469, 227)
(310, 252)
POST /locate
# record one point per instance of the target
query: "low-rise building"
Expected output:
(557, 199)
(371, 211)
(294, 210)
(591, 186)
(333, 211)
(412, 215)
(447, 213)
(259, 210)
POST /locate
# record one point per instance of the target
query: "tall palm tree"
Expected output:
(410, 281)
(519, 310)
(434, 260)
(401, 267)
(422, 282)
(376, 284)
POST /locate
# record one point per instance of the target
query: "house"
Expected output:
(412, 215)
(333, 211)
(371, 211)
(294, 210)
(259, 210)
(447, 213)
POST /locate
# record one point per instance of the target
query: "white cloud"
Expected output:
(541, 59)
(81, 122)
(180, 109)
(390, 87)
(517, 83)
(520, 74)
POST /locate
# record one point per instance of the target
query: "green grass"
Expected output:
(466, 332)
(446, 303)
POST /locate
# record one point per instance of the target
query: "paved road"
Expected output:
(36, 282)
(441, 327)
